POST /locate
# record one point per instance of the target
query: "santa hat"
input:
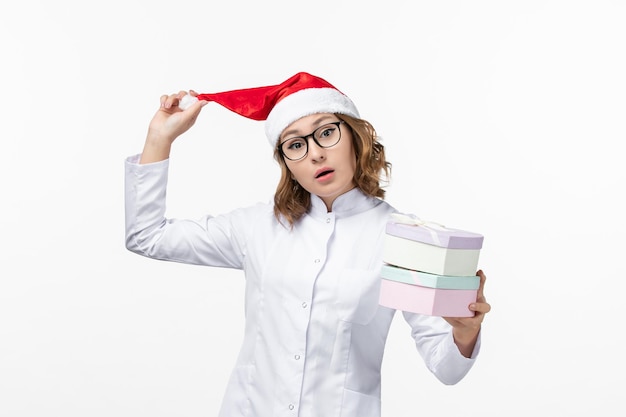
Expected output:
(280, 105)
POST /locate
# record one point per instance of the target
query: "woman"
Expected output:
(314, 332)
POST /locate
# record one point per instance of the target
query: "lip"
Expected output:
(322, 170)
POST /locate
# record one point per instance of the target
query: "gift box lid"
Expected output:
(425, 279)
(413, 228)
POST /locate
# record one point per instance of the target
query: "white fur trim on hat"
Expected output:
(304, 103)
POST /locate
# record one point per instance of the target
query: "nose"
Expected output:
(316, 152)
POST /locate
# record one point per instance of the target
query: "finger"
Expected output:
(480, 307)
(170, 101)
(193, 111)
(174, 99)
(162, 100)
(481, 286)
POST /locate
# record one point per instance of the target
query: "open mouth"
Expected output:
(323, 173)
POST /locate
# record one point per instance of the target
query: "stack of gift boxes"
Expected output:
(428, 268)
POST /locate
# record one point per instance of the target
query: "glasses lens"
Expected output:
(294, 148)
(327, 135)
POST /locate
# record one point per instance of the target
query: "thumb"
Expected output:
(192, 111)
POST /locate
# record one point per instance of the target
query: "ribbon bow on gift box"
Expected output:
(413, 220)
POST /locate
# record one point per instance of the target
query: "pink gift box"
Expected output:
(425, 300)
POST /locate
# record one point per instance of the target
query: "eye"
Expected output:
(327, 131)
(294, 144)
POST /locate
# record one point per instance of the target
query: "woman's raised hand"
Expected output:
(168, 123)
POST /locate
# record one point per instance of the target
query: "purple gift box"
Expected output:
(430, 247)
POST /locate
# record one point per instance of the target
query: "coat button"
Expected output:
(291, 406)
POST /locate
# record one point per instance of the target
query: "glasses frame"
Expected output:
(306, 140)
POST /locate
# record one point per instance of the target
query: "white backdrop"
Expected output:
(500, 117)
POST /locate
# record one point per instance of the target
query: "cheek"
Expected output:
(293, 171)
(351, 157)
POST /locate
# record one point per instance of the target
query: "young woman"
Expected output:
(314, 331)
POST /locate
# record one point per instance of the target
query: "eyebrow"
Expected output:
(293, 132)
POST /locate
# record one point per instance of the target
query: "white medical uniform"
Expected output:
(314, 332)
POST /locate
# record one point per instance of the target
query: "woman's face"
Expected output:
(325, 172)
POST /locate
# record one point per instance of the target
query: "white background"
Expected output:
(500, 117)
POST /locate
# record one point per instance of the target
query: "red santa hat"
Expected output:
(280, 105)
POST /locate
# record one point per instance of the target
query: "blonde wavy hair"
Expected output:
(291, 201)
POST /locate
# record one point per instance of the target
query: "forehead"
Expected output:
(307, 124)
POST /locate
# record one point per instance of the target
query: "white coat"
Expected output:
(314, 332)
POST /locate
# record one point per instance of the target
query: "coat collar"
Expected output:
(348, 204)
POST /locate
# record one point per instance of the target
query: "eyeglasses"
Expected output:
(297, 147)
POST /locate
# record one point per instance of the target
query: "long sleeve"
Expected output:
(435, 343)
(213, 241)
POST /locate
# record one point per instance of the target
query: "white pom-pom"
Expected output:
(187, 101)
